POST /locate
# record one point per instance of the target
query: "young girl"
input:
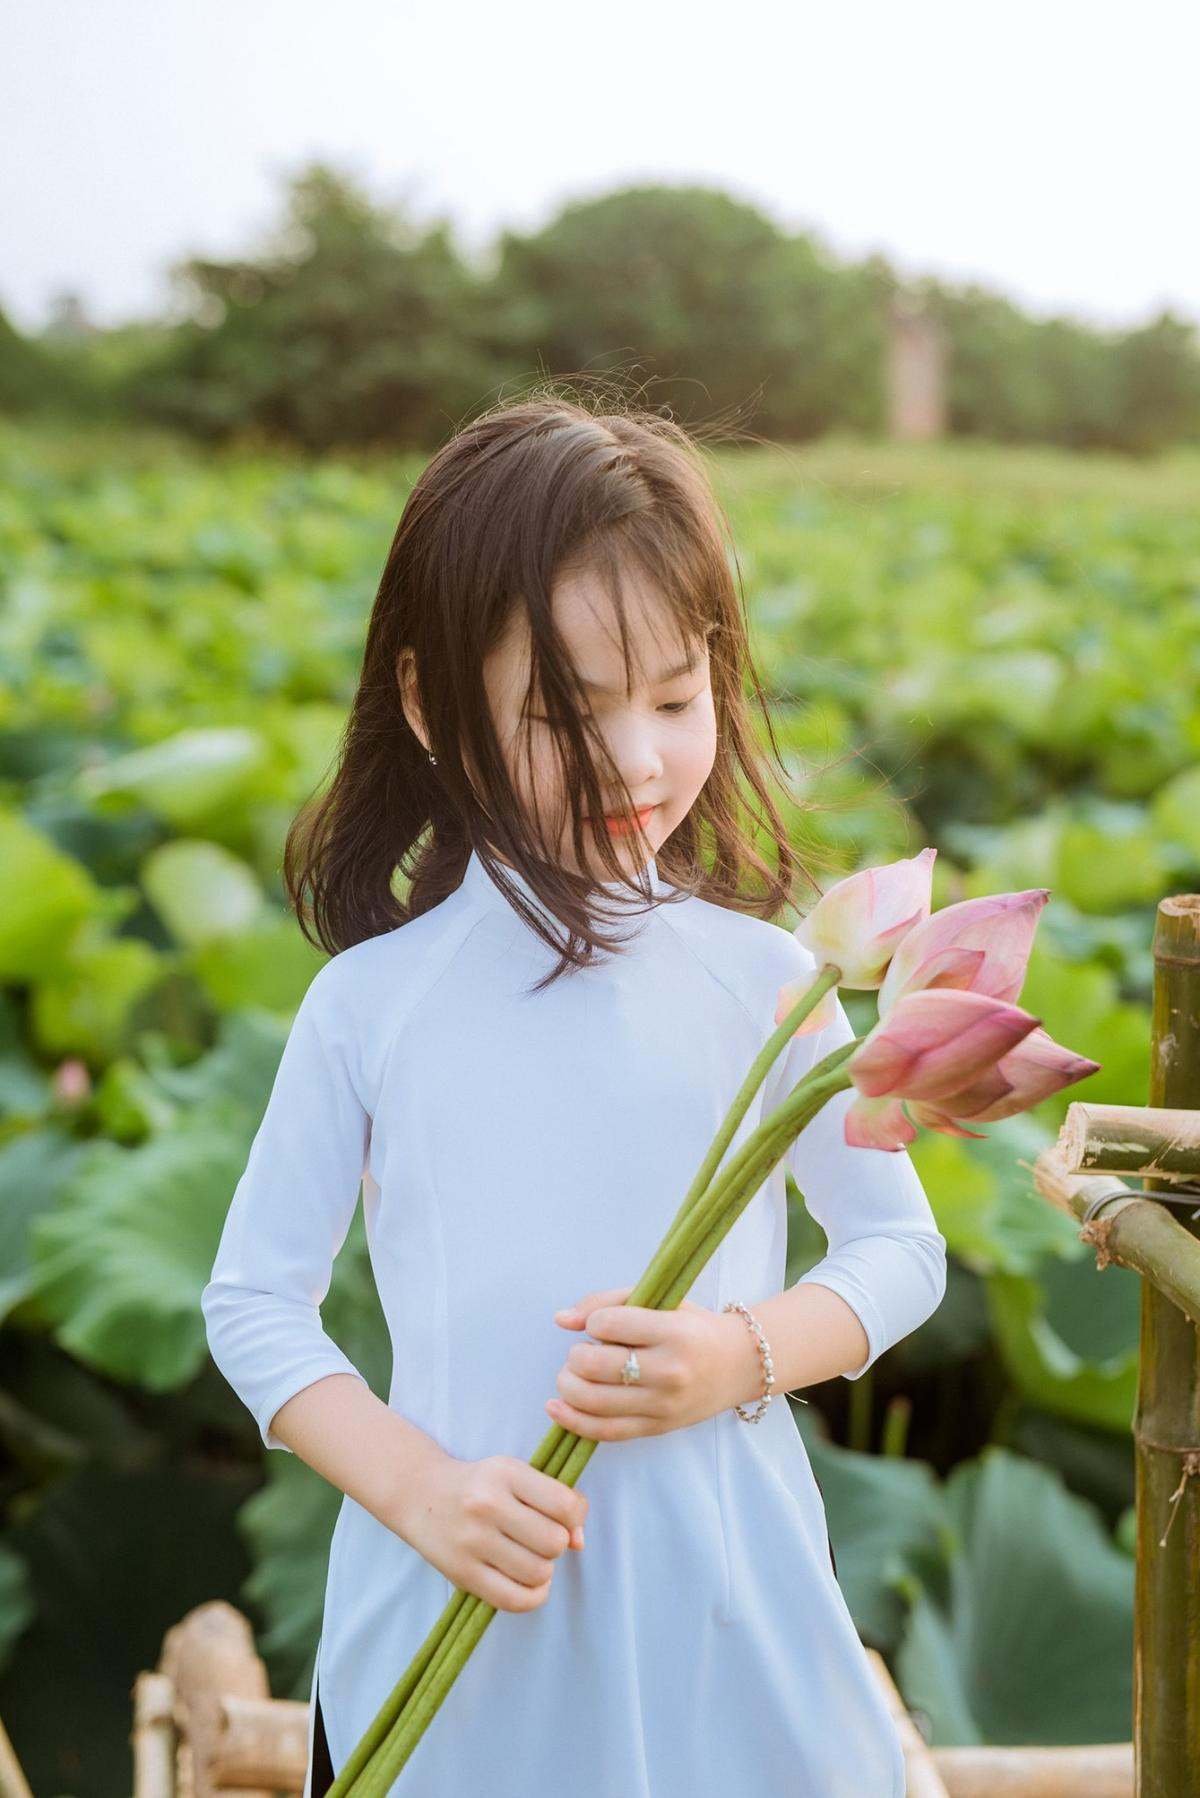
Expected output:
(524, 1063)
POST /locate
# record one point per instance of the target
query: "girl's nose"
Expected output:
(636, 753)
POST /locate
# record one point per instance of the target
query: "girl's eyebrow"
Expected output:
(686, 667)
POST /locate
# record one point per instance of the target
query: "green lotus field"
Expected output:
(993, 651)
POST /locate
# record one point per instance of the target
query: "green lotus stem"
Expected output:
(820, 1092)
(760, 1067)
(712, 1225)
(712, 1215)
(707, 1212)
(723, 1205)
(762, 1148)
(711, 1220)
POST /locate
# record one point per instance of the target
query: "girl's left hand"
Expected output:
(694, 1362)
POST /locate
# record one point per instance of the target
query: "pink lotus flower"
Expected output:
(933, 1044)
(979, 945)
(71, 1082)
(951, 1043)
(859, 923)
(1029, 1073)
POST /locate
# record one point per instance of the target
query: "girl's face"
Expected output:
(662, 736)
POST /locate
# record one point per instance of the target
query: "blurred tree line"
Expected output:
(354, 326)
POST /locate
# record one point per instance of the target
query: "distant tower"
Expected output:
(68, 321)
(916, 370)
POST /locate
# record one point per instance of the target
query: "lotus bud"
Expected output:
(979, 945)
(1029, 1073)
(935, 1042)
(859, 923)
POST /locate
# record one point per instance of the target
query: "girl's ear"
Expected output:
(406, 680)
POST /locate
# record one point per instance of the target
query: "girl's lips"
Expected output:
(618, 826)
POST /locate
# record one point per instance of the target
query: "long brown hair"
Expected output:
(527, 492)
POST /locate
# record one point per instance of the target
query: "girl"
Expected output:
(550, 741)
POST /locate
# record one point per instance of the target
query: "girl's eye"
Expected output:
(674, 707)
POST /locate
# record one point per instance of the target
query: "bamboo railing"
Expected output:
(1155, 1231)
(202, 1726)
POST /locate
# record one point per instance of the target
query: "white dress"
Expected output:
(515, 1153)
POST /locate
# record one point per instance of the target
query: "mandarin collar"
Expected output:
(478, 881)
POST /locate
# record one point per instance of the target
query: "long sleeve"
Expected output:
(289, 1215)
(886, 1256)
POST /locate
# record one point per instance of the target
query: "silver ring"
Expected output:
(631, 1372)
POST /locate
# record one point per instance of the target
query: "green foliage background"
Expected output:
(987, 650)
(352, 324)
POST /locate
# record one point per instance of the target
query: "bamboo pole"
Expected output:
(210, 1658)
(263, 1744)
(921, 1776)
(1099, 1770)
(1166, 1424)
(1132, 1139)
(985, 1770)
(155, 1739)
(1132, 1228)
(13, 1783)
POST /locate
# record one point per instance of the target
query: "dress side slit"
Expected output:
(322, 1767)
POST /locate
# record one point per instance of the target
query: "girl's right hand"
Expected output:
(496, 1527)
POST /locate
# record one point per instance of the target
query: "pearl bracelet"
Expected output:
(764, 1350)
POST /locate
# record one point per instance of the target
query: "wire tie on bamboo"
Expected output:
(1191, 1465)
(1099, 1237)
(1093, 1205)
(1188, 1187)
(1178, 1187)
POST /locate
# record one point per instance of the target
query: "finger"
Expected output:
(574, 1316)
(635, 1326)
(594, 1399)
(604, 1363)
(517, 1561)
(553, 1497)
(599, 1429)
(540, 1534)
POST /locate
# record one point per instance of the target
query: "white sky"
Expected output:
(1047, 148)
